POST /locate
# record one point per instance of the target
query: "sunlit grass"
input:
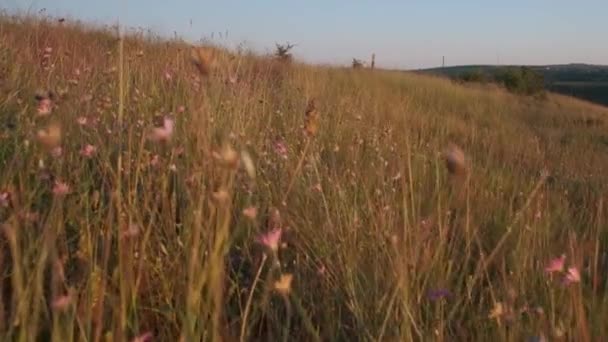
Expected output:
(228, 196)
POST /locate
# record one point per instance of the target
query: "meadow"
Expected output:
(151, 190)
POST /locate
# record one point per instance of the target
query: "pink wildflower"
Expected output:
(146, 337)
(155, 161)
(5, 199)
(88, 150)
(181, 109)
(164, 132)
(131, 232)
(572, 276)
(271, 239)
(556, 265)
(45, 107)
(61, 303)
(280, 149)
(61, 189)
(81, 120)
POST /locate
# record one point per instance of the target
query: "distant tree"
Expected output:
(357, 63)
(522, 80)
(282, 52)
(473, 76)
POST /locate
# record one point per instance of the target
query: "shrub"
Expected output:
(522, 80)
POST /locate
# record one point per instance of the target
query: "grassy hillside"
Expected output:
(584, 81)
(146, 199)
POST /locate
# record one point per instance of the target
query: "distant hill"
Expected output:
(585, 81)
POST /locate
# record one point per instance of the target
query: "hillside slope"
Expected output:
(147, 199)
(585, 81)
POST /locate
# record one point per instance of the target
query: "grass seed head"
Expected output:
(455, 160)
(312, 119)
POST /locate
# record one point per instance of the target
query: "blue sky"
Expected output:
(404, 34)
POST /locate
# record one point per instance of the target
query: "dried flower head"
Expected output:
(227, 157)
(312, 119)
(221, 196)
(250, 212)
(248, 164)
(455, 160)
(51, 136)
(283, 285)
(203, 59)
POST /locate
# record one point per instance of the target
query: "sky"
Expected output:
(403, 34)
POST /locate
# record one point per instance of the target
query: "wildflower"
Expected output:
(145, 337)
(51, 136)
(155, 161)
(5, 199)
(283, 285)
(45, 107)
(167, 75)
(173, 168)
(321, 270)
(164, 132)
(271, 239)
(455, 160)
(572, 276)
(181, 109)
(61, 189)
(556, 265)
(131, 232)
(61, 303)
(57, 152)
(435, 295)
(280, 149)
(88, 150)
(250, 212)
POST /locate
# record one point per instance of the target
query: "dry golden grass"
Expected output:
(184, 200)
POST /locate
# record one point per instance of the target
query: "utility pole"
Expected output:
(443, 62)
(373, 65)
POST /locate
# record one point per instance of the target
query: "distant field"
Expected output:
(591, 91)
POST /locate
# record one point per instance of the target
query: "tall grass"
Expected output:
(157, 201)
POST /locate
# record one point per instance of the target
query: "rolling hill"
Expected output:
(585, 81)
